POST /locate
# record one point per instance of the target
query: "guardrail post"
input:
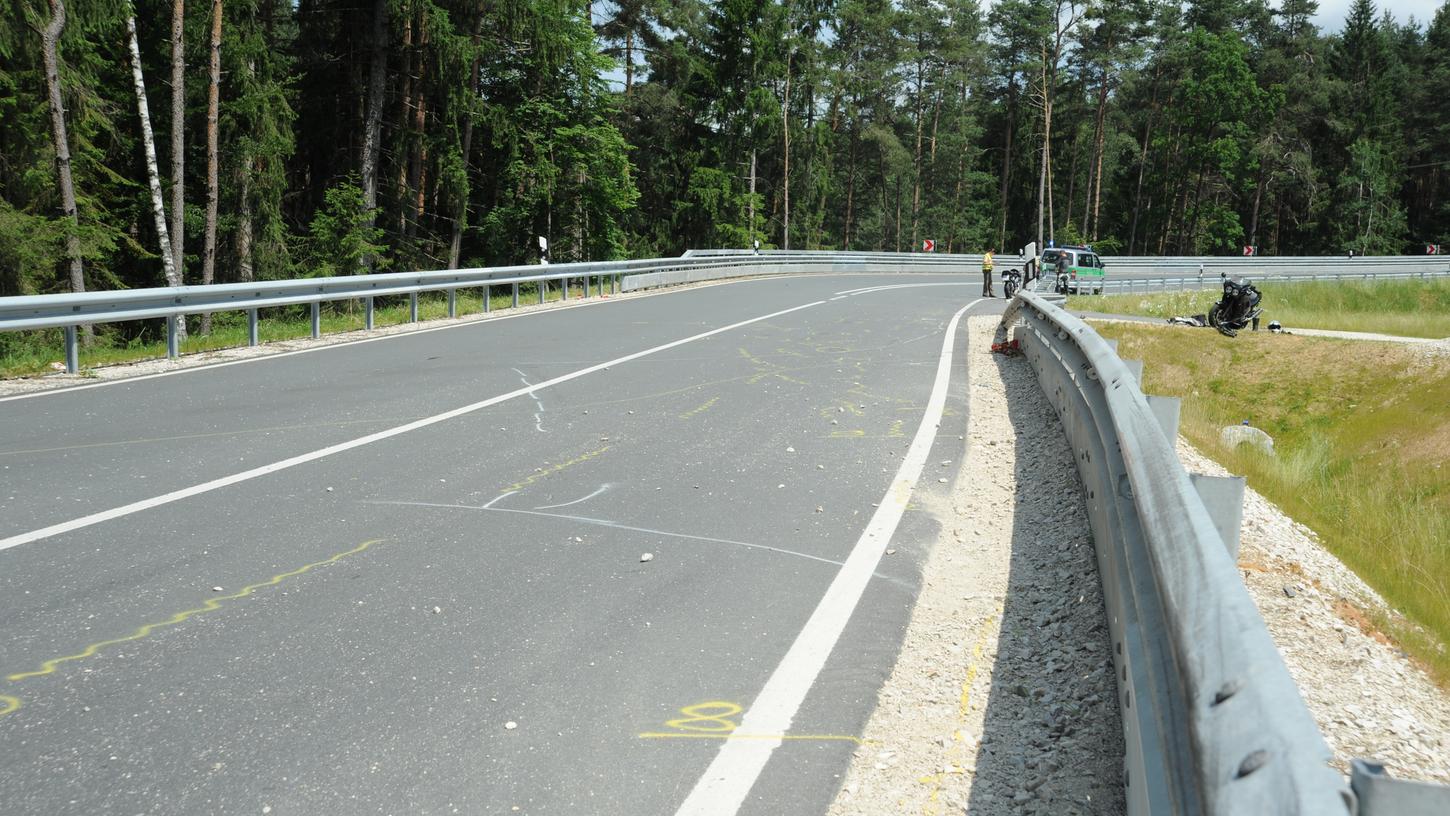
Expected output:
(72, 351)
(453, 303)
(516, 294)
(412, 307)
(565, 282)
(614, 284)
(487, 299)
(316, 319)
(173, 346)
(368, 320)
(1223, 497)
(251, 327)
(544, 291)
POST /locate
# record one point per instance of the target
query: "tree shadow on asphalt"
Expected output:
(1051, 736)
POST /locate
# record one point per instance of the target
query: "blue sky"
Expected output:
(1332, 12)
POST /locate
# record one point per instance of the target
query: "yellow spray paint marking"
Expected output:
(765, 368)
(700, 409)
(520, 485)
(49, 666)
(712, 720)
(896, 429)
(8, 704)
(855, 433)
(964, 708)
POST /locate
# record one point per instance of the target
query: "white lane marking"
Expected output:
(723, 787)
(648, 530)
(538, 403)
(312, 456)
(872, 289)
(602, 488)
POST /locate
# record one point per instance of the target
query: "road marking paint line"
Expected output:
(722, 789)
(621, 526)
(576, 501)
(538, 403)
(789, 737)
(700, 409)
(211, 605)
(8, 704)
(321, 453)
(544, 473)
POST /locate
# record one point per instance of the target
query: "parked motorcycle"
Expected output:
(1011, 281)
(1238, 307)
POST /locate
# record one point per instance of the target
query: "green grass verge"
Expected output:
(1362, 440)
(1406, 308)
(25, 354)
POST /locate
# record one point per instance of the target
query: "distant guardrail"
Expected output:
(1213, 722)
(69, 311)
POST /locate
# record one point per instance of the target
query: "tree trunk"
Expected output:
(50, 44)
(1098, 142)
(850, 194)
(916, 161)
(148, 140)
(213, 93)
(1258, 197)
(372, 131)
(460, 218)
(1046, 153)
(178, 137)
(1007, 161)
(245, 271)
(629, 61)
(785, 136)
(404, 151)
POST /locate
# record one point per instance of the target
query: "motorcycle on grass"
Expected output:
(1237, 309)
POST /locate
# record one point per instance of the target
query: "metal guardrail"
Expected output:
(1119, 286)
(1213, 722)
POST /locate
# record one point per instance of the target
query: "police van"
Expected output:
(1085, 271)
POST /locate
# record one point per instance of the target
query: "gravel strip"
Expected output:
(1002, 700)
(1369, 699)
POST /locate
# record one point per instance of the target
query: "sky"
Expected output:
(1332, 12)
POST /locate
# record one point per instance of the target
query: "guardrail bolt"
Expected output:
(1252, 762)
(1225, 691)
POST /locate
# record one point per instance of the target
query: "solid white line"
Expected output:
(723, 787)
(312, 456)
(576, 501)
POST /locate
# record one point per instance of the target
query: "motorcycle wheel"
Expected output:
(1008, 289)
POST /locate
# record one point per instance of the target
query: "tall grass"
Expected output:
(1407, 308)
(1362, 451)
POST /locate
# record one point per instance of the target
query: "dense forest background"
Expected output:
(286, 138)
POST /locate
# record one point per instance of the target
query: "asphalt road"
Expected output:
(406, 576)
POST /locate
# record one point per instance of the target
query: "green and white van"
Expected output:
(1085, 271)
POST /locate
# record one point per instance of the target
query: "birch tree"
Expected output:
(153, 175)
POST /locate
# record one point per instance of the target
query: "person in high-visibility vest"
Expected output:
(987, 273)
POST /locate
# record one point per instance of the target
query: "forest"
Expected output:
(148, 143)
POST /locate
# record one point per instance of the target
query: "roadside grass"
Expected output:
(1406, 308)
(1362, 451)
(25, 354)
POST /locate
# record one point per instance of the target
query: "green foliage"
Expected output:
(342, 234)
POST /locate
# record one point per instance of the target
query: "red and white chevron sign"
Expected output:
(928, 245)
(1433, 249)
(1250, 251)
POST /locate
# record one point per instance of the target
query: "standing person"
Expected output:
(1062, 277)
(987, 273)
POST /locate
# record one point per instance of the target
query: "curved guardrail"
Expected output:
(1213, 722)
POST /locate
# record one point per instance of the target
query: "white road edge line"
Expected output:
(312, 456)
(723, 787)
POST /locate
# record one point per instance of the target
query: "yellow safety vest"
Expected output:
(987, 262)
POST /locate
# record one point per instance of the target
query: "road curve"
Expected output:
(409, 576)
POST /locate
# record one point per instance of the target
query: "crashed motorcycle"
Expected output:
(1237, 309)
(1011, 281)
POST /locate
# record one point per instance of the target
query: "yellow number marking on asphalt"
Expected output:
(712, 720)
(9, 704)
(700, 409)
(545, 472)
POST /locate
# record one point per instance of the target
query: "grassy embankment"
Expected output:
(1405, 307)
(1361, 432)
(28, 353)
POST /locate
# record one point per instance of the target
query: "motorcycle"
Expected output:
(1238, 307)
(1011, 280)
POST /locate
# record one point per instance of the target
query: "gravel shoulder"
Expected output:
(1002, 700)
(1369, 699)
